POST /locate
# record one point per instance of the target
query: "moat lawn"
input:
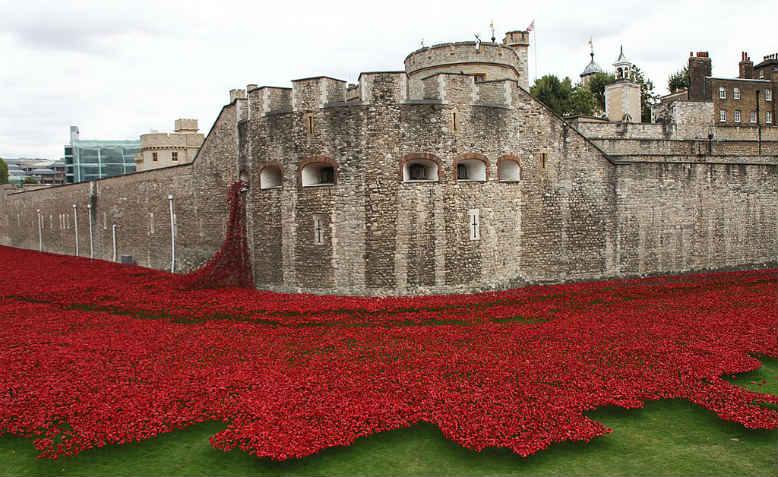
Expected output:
(665, 438)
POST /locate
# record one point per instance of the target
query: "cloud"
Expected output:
(118, 68)
(75, 26)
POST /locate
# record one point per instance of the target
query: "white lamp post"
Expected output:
(75, 225)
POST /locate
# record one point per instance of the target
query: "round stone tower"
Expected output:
(487, 61)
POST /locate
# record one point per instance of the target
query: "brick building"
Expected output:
(745, 101)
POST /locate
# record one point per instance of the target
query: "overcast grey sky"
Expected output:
(118, 69)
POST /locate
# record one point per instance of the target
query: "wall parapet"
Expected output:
(382, 87)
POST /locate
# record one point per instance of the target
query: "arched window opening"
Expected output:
(509, 171)
(420, 170)
(270, 177)
(318, 174)
(473, 170)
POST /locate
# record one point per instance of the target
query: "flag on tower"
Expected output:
(531, 26)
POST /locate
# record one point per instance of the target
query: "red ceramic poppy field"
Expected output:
(94, 353)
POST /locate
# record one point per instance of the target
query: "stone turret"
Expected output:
(484, 60)
(518, 41)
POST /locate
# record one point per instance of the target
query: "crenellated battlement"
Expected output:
(236, 94)
(382, 87)
(309, 94)
(474, 73)
(268, 99)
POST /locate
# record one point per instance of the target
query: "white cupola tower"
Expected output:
(622, 98)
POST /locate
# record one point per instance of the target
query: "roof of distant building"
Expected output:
(592, 68)
(771, 59)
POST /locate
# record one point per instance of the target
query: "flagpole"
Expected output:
(535, 30)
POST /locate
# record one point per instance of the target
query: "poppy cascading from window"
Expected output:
(231, 266)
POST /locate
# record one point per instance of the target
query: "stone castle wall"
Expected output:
(576, 212)
(691, 147)
(679, 132)
(683, 217)
(138, 205)
(383, 235)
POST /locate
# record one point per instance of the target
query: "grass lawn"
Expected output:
(664, 438)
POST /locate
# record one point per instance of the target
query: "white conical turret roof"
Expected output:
(622, 59)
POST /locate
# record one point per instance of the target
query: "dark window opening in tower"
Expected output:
(461, 171)
(327, 175)
(417, 172)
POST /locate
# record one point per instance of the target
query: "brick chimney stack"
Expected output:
(746, 66)
(699, 68)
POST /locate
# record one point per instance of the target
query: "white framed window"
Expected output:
(509, 171)
(317, 174)
(722, 93)
(736, 93)
(753, 116)
(154, 156)
(174, 155)
(473, 223)
(472, 170)
(418, 170)
(768, 95)
(722, 116)
(737, 116)
(768, 117)
(270, 177)
(761, 74)
(318, 231)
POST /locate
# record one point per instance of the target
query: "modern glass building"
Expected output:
(89, 160)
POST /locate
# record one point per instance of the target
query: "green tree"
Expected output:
(3, 172)
(678, 80)
(29, 180)
(647, 95)
(597, 85)
(553, 93)
(582, 101)
(562, 97)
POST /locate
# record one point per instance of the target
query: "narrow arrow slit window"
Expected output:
(474, 224)
(318, 231)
